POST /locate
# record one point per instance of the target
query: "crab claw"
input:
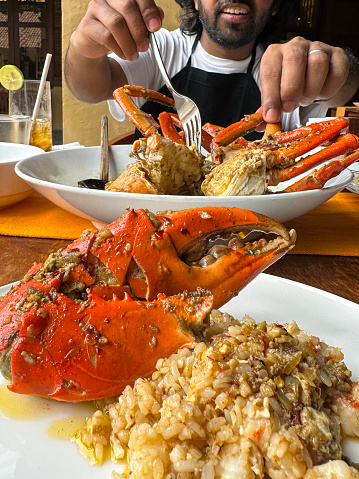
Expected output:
(100, 313)
(171, 252)
(72, 353)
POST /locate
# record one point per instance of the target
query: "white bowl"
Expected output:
(55, 175)
(13, 188)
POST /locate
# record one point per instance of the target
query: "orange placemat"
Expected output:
(37, 217)
(330, 229)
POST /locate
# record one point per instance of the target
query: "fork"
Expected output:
(187, 110)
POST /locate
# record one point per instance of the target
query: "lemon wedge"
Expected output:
(11, 77)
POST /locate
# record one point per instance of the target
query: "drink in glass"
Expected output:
(15, 128)
(41, 134)
(22, 101)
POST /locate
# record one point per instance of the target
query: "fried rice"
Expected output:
(253, 400)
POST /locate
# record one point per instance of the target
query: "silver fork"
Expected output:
(187, 110)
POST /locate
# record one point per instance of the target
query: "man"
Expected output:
(220, 57)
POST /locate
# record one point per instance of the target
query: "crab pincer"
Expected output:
(98, 314)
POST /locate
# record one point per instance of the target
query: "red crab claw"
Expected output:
(71, 331)
(74, 353)
(171, 253)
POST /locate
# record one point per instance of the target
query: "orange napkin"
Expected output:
(330, 229)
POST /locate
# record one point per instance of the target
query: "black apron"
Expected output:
(222, 99)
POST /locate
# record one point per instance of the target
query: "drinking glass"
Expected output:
(22, 102)
(15, 128)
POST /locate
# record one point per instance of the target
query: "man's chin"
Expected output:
(231, 43)
(231, 36)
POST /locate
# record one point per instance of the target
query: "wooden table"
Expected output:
(336, 274)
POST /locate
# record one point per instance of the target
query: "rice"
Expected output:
(256, 400)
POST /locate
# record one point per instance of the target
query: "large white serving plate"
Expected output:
(55, 175)
(27, 451)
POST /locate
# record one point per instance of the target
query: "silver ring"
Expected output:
(318, 50)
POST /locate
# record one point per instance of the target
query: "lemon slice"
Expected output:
(11, 77)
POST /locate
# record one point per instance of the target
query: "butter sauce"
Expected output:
(66, 428)
(22, 406)
(26, 407)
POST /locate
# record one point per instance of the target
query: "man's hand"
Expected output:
(298, 72)
(118, 26)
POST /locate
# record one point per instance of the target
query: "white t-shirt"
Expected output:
(176, 48)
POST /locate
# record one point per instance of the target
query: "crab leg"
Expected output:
(343, 144)
(144, 122)
(168, 122)
(304, 131)
(318, 178)
(320, 132)
(240, 128)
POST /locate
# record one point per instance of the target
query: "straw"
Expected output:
(42, 86)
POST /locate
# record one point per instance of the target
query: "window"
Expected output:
(28, 30)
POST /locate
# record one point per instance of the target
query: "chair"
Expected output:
(352, 115)
(352, 111)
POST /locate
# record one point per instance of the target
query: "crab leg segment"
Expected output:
(343, 144)
(72, 353)
(168, 122)
(144, 122)
(213, 131)
(242, 127)
(318, 178)
(338, 124)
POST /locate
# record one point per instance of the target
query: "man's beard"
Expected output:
(234, 35)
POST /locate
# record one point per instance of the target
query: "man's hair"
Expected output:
(274, 31)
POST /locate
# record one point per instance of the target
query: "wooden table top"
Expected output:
(336, 274)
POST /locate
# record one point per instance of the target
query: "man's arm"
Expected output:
(108, 25)
(92, 79)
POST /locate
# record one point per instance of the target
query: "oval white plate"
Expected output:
(55, 175)
(26, 451)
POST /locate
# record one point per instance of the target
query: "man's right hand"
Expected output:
(120, 26)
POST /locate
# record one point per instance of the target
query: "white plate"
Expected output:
(355, 103)
(355, 169)
(55, 175)
(26, 451)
